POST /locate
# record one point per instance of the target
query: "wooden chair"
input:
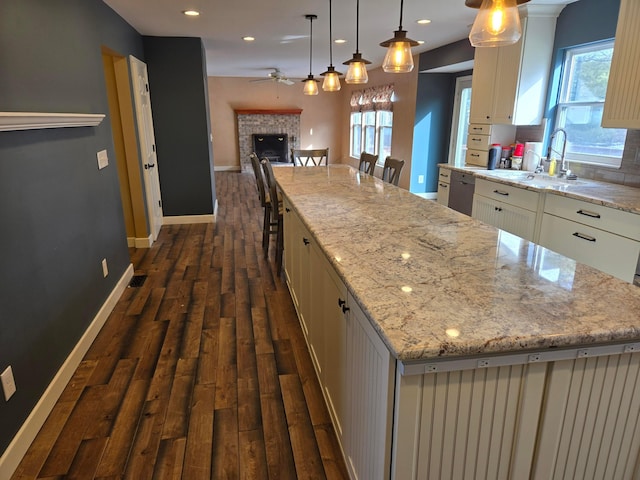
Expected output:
(310, 158)
(392, 169)
(268, 226)
(276, 211)
(367, 163)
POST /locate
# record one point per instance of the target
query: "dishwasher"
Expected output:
(461, 191)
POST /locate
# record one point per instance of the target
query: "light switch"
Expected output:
(103, 159)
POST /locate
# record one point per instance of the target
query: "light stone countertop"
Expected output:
(620, 197)
(438, 284)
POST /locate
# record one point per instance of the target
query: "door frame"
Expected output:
(461, 83)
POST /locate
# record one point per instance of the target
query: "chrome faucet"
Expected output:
(564, 164)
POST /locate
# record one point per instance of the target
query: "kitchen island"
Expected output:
(462, 351)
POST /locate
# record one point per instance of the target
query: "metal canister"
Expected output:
(494, 156)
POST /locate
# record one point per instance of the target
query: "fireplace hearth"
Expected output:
(273, 146)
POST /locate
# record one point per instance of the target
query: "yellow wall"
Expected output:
(320, 122)
(404, 112)
(324, 121)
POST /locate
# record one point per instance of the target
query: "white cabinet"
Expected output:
(444, 181)
(482, 136)
(622, 103)
(509, 83)
(509, 208)
(602, 237)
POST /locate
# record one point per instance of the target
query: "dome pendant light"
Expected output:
(331, 81)
(357, 72)
(497, 24)
(398, 58)
(310, 83)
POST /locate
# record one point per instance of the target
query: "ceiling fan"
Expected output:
(275, 76)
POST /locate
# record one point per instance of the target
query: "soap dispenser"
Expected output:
(552, 167)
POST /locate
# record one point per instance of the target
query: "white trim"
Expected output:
(10, 121)
(144, 242)
(231, 168)
(184, 219)
(18, 447)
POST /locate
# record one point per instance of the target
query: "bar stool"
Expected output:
(276, 211)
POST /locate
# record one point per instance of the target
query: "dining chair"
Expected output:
(276, 211)
(310, 158)
(268, 226)
(367, 163)
(391, 170)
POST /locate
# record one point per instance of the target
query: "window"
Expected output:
(371, 122)
(460, 122)
(581, 102)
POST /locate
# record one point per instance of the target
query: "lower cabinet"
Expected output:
(509, 208)
(602, 237)
(355, 368)
(444, 180)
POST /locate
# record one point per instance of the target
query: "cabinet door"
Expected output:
(506, 83)
(333, 355)
(516, 220)
(485, 210)
(291, 253)
(370, 384)
(482, 85)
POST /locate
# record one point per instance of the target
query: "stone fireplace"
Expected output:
(267, 122)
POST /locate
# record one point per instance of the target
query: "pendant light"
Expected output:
(310, 83)
(331, 81)
(497, 23)
(398, 58)
(357, 72)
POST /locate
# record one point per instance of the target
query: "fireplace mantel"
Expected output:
(257, 111)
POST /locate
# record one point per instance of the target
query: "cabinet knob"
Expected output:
(305, 241)
(345, 309)
(341, 302)
(287, 209)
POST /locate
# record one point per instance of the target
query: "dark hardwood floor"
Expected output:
(201, 372)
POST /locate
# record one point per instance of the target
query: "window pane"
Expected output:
(586, 136)
(385, 119)
(370, 139)
(588, 75)
(356, 141)
(385, 143)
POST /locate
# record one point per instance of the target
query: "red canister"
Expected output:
(518, 150)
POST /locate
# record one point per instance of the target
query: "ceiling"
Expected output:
(282, 33)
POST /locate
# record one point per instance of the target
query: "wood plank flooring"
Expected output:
(202, 372)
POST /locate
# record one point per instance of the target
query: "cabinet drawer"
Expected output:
(605, 251)
(443, 193)
(478, 142)
(479, 129)
(605, 218)
(444, 175)
(476, 157)
(508, 194)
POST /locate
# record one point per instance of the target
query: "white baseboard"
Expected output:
(140, 242)
(183, 219)
(231, 168)
(12, 456)
(428, 195)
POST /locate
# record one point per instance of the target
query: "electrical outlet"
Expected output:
(103, 160)
(105, 270)
(8, 383)
(420, 178)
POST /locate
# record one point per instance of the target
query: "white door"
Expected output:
(147, 142)
(460, 123)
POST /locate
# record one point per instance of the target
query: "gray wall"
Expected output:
(60, 216)
(177, 79)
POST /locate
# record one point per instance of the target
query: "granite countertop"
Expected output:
(438, 284)
(611, 195)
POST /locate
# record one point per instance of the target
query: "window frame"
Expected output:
(369, 120)
(563, 104)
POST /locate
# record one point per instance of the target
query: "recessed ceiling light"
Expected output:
(248, 39)
(340, 40)
(423, 21)
(191, 13)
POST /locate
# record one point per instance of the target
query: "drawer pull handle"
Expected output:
(476, 139)
(588, 238)
(587, 213)
(500, 192)
(444, 175)
(474, 154)
(477, 128)
(443, 185)
(341, 302)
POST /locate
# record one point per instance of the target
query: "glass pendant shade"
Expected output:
(398, 58)
(331, 81)
(497, 24)
(357, 72)
(310, 86)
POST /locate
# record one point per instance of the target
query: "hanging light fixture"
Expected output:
(357, 72)
(497, 23)
(398, 58)
(310, 83)
(331, 81)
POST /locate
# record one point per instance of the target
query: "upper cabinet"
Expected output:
(622, 103)
(509, 84)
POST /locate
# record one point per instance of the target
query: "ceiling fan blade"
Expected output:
(286, 81)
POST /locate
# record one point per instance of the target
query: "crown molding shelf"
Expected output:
(10, 121)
